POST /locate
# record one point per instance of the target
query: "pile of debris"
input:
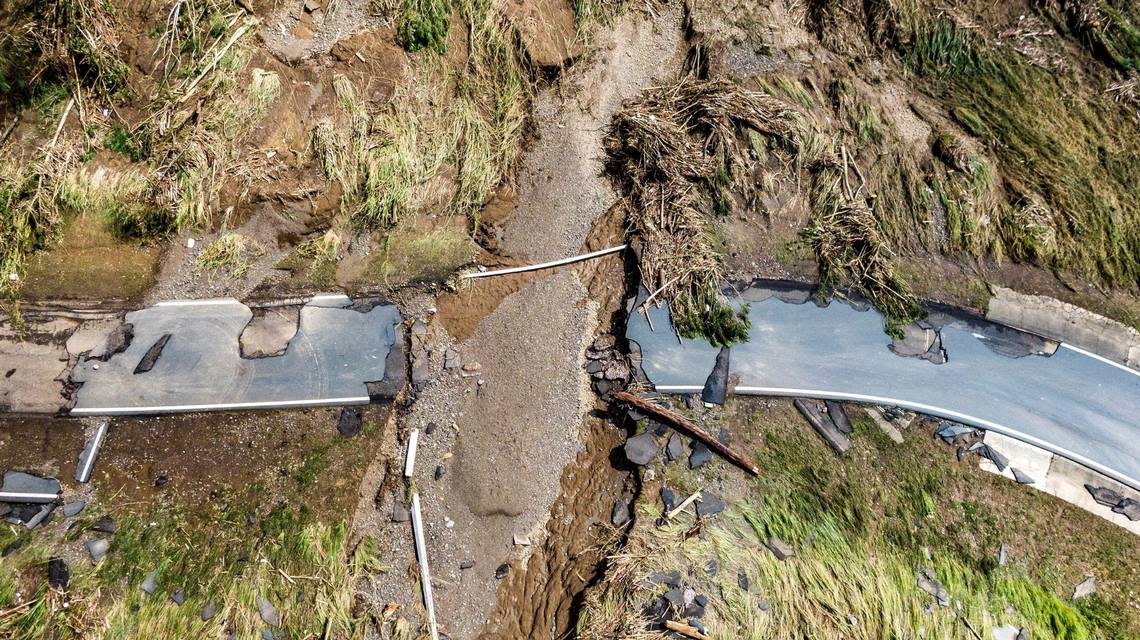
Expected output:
(969, 440)
(609, 369)
(1112, 499)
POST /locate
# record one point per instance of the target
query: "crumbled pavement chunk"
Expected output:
(1086, 588)
(20, 482)
(59, 575)
(675, 448)
(73, 508)
(782, 550)
(268, 612)
(150, 584)
(1129, 508)
(675, 597)
(1021, 476)
(668, 498)
(150, 358)
(209, 611)
(1104, 495)
(350, 422)
(928, 583)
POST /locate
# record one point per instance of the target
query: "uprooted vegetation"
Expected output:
(1033, 153)
(675, 151)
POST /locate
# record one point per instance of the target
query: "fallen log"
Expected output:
(688, 426)
(824, 426)
(685, 630)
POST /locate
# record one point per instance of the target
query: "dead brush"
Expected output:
(675, 150)
(231, 252)
(848, 242)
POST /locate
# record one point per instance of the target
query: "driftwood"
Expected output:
(685, 630)
(690, 427)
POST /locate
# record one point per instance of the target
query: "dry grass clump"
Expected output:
(675, 150)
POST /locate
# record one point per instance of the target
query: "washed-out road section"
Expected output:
(338, 349)
(1073, 403)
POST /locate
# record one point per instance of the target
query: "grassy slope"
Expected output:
(861, 526)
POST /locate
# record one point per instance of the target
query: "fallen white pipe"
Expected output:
(12, 496)
(545, 265)
(90, 452)
(410, 460)
(421, 557)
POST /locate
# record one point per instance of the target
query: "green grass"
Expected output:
(413, 256)
(861, 527)
(424, 24)
(230, 252)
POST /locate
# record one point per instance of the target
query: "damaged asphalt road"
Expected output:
(1072, 403)
(185, 356)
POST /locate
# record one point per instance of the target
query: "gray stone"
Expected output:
(73, 508)
(995, 456)
(675, 597)
(20, 482)
(617, 369)
(619, 516)
(106, 524)
(178, 597)
(641, 449)
(700, 455)
(267, 634)
(1086, 588)
(711, 567)
(838, 416)
(928, 583)
(466, 564)
(1129, 508)
(451, 359)
(40, 517)
(400, 512)
(670, 579)
(209, 611)
(742, 581)
(948, 431)
(502, 571)
(675, 448)
(710, 504)
(150, 584)
(97, 549)
(596, 368)
(604, 342)
(782, 550)
(1104, 495)
(268, 612)
(1021, 476)
(1006, 632)
(350, 422)
(668, 498)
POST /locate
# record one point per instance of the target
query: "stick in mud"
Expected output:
(683, 423)
(421, 557)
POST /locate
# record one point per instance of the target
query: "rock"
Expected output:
(97, 549)
(604, 342)
(700, 455)
(400, 512)
(20, 482)
(178, 597)
(602, 387)
(949, 431)
(675, 597)
(13, 547)
(466, 564)
(668, 498)
(59, 575)
(596, 368)
(782, 550)
(675, 448)
(742, 581)
(688, 595)
(961, 453)
(268, 612)
(1085, 588)
(1006, 632)
(73, 508)
(671, 579)
(471, 367)
(209, 611)
(715, 390)
(520, 540)
(839, 416)
(763, 605)
(693, 402)
(641, 449)
(695, 610)
(150, 583)
(1129, 508)
(161, 481)
(350, 422)
(1104, 495)
(928, 583)
(711, 567)
(421, 372)
(451, 359)
(617, 369)
(267, 634)
(619, 515)
(150, 358)
(710, 504)
(106, 524)
(502, 570)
